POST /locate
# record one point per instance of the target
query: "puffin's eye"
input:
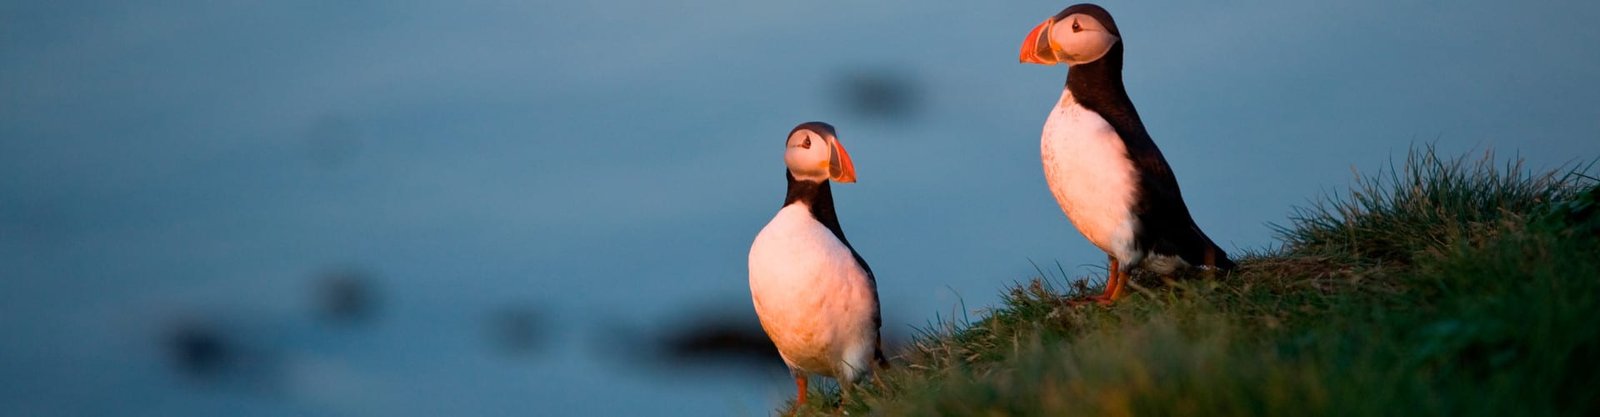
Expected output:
(1075, 27)
(807, 143)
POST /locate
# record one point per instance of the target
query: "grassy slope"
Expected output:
(1444, 287)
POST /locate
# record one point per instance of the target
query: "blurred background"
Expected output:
(507, 208)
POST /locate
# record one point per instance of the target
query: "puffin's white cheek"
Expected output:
(1084, 47)
(806, 163)
(794, 160)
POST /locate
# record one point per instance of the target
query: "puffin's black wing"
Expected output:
(877, 315)
(1165, 226)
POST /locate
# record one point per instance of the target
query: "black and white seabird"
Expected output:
(1101, 164)
(816, 297)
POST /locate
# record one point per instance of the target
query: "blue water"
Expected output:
(603, 167)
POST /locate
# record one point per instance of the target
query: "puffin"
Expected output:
(815, 296)
(1101, 164)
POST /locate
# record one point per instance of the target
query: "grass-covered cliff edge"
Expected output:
(1444, 286)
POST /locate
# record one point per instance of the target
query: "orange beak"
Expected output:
(840, 167)
(1036, 49)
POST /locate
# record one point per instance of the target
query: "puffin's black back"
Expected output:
(1165, 226)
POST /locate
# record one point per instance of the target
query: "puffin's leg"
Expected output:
(1122, 280)
(800, 383)
(845, 388)
(1114, 279)
(1122, 285)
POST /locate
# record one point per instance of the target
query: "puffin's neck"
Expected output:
(1098, 86)
(818, 198)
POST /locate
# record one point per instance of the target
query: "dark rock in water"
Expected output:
(714, 339)
(346, 296)
(516, 330)
(879, 94)
(729, 339)
(200, 350)
(221, 355)
(722, 340)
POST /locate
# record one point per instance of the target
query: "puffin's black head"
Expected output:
(815, 154)
(1080, 34)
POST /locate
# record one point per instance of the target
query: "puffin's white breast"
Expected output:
(1087, 167)
(814, 300)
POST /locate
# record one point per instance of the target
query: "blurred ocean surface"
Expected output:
(504, 208)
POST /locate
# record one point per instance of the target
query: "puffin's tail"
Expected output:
(1217, 258)
(877, 355)
(1210, 254)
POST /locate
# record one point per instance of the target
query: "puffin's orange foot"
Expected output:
(1115, 280)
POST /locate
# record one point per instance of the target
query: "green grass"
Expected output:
(1441, 287)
